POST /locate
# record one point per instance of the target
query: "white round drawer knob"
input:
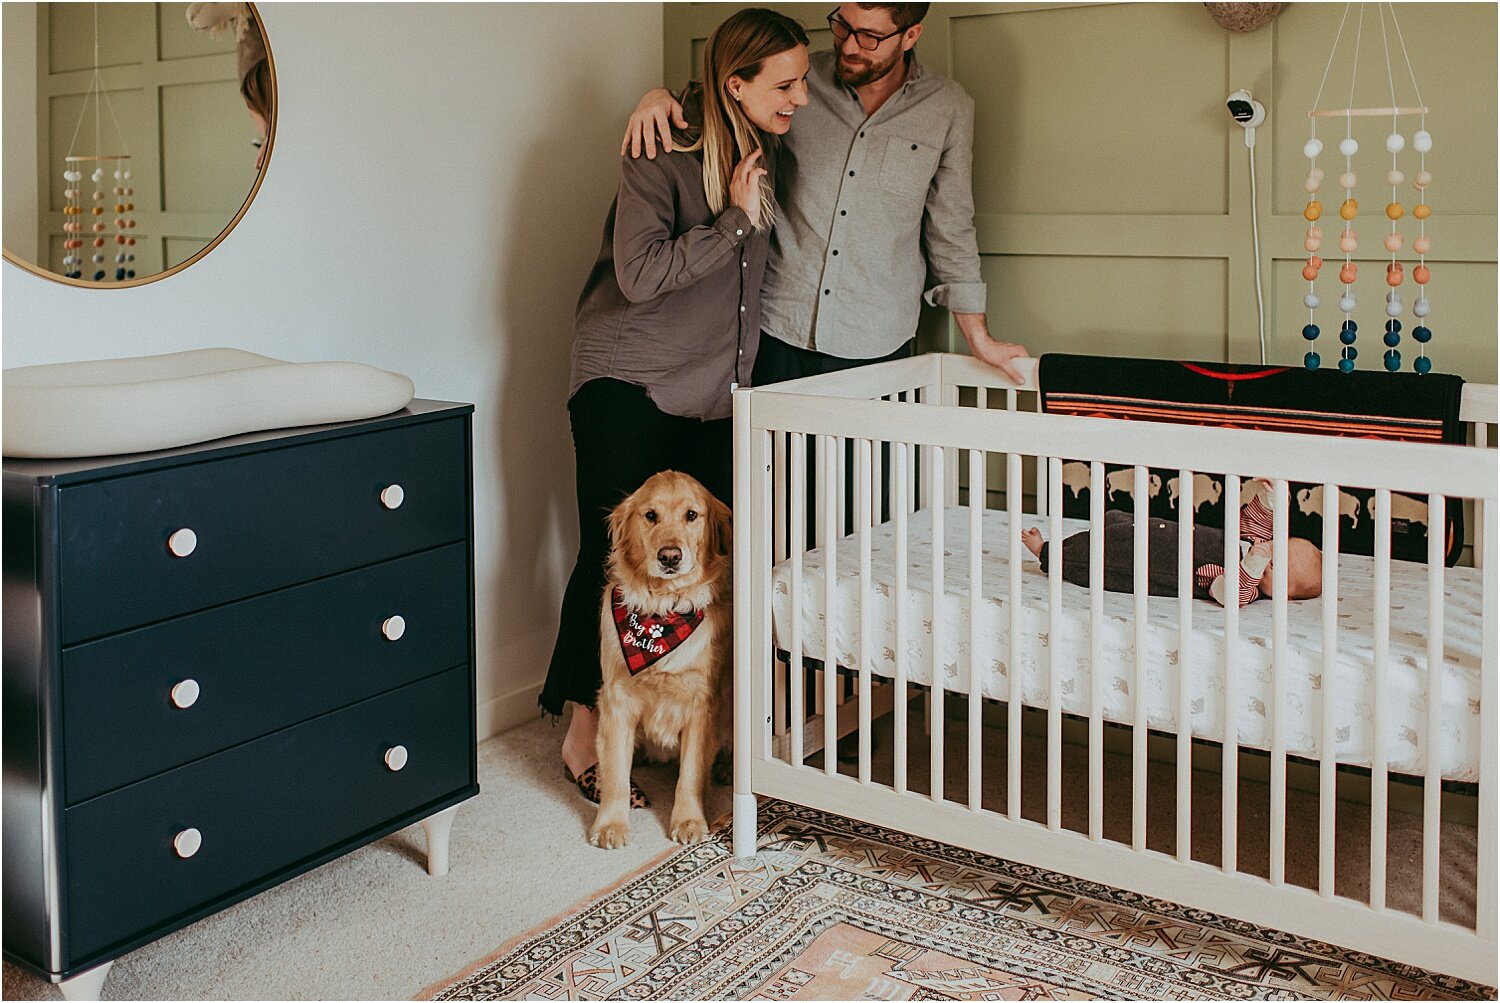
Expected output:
(393, 496)
(182, 543)
(395, 757)
(185, 694)
(393, 627)
(187, 842)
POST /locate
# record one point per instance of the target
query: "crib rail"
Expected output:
(839, 472)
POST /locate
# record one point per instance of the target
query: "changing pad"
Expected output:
(159, 401)
(1068, 639)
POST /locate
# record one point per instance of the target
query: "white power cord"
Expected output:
(1250, 113)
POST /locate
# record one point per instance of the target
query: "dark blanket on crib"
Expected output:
(1402, 406)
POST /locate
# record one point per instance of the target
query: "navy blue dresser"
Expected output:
(225, 665)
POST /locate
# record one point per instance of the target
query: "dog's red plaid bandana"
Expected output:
(644, 638)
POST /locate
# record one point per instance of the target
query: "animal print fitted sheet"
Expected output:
(1041, 640)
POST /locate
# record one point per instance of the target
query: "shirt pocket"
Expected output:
(908, 167)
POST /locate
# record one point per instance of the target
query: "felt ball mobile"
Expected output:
(1321, 225)
(94, 222)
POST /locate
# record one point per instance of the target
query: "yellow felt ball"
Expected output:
(1422, 210)
(1349, 209)
(1313, 211)
(1394, 210)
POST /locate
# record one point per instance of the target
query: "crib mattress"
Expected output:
(1068, 638)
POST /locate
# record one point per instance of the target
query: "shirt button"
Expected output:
(742, 308)
(914, 146)
(851, 174)
(826, 291)
(835, 254)
(843, 212)
(741, 233)
(744, 264)
(861, 135)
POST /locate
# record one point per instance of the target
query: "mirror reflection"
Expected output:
(135, 134)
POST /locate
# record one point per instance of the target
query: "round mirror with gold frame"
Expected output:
(135, 135)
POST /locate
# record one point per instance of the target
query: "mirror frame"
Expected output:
(260, 177)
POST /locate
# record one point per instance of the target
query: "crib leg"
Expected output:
(744, 825)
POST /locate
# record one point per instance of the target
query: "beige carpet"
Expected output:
(832, 909)
(373, 925)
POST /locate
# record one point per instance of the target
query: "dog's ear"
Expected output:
(619, 520)
(720, 527)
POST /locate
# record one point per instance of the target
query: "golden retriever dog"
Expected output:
(665, 634)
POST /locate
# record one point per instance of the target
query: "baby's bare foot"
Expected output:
(1033, 540)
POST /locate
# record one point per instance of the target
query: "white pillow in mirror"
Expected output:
(132, 405)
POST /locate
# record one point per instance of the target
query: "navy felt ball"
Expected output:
(1311, 360)
(1310, 332)
(1346, 365)
(1421, 334)
(1347, 337)
(1392, 339)
(1393, 326)
(1392, 360)
(98, 276)
(1422, 364)
(1348, 325)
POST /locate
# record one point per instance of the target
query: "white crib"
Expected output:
(923, 429)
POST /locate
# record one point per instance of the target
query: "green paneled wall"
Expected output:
(1112, 190)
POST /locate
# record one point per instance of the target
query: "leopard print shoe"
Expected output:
(587, 783)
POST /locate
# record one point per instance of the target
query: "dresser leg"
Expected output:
(86, 986)
(438, 828)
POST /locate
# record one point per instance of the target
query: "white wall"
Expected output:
(436, 194)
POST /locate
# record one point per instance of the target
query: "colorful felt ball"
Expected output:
(1392, 339)
(1349, 209)
(1315, 261)
(1421, 307)
(1313, 243)
(1422, 364)
(1346, 365)
(1309, 273)
(1422, 210)
(99, 276)
(1346, 303)
(1422, 244)
(1310, 331)
(1349, 324)
(1422, 180)
(1422, 140)
(1348, 147)
(1347, 336)
(1347, 242)
(1393, 308)
(1311, 360)
(1312, 148)
(98, 241)
(1392, 360)
(1394, 276)
(1348, 273)
(1348, 180)
(1394, 177)
(1311, 301)
(1313, 183)
(1393, 325)
(1313, 211)
(1421, 274)
(1393, 242)
(1395, 210)
(1395, 143)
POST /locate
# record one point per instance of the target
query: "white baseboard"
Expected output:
(505, 712)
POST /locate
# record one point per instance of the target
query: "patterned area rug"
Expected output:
(839, 910)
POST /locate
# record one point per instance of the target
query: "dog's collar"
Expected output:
(646, 637)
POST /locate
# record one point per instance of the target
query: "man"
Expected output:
(875, 194)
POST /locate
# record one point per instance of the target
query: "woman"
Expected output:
(668, 320)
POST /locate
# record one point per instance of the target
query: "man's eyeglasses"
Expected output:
(868, 40)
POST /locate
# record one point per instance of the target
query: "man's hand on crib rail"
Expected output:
(986, 349)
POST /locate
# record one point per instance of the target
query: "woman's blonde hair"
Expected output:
(737, 48)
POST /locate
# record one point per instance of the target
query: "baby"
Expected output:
(1304, 572)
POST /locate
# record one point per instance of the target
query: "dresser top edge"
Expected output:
(71, 470)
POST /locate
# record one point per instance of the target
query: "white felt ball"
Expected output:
(1421, 307)
(1422, 141)
(1311, 301)
(1395, 143)
(1348, 147)
(127, 174)
(1312, 148)
(1393, 308)
(1394, 178)
(1346, 303)
(98, 174)
(1348, 180)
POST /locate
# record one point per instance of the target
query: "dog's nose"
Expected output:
(669, 557)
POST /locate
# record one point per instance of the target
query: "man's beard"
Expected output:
(867, 72)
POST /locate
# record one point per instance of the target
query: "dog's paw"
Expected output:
(609, 835)
(690, 830)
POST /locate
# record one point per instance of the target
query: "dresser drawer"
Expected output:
(259, 522)
(255, 666)
(260, 808)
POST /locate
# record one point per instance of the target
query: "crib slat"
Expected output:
(1274, 713)
(1096, 649)
(1044, 492)
(1184, 662)
(900, 457)
(1432, 783)
(1230, 767)
(1379, 780)
(1017, 602)
(1054, 664)
(1327, 750)
(1489, 746)
(820, 494)
(937, 691)
(862, 450)
(978, 662)
(1142, 514)
(833, 454)
(778, 554)
(796, 686)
